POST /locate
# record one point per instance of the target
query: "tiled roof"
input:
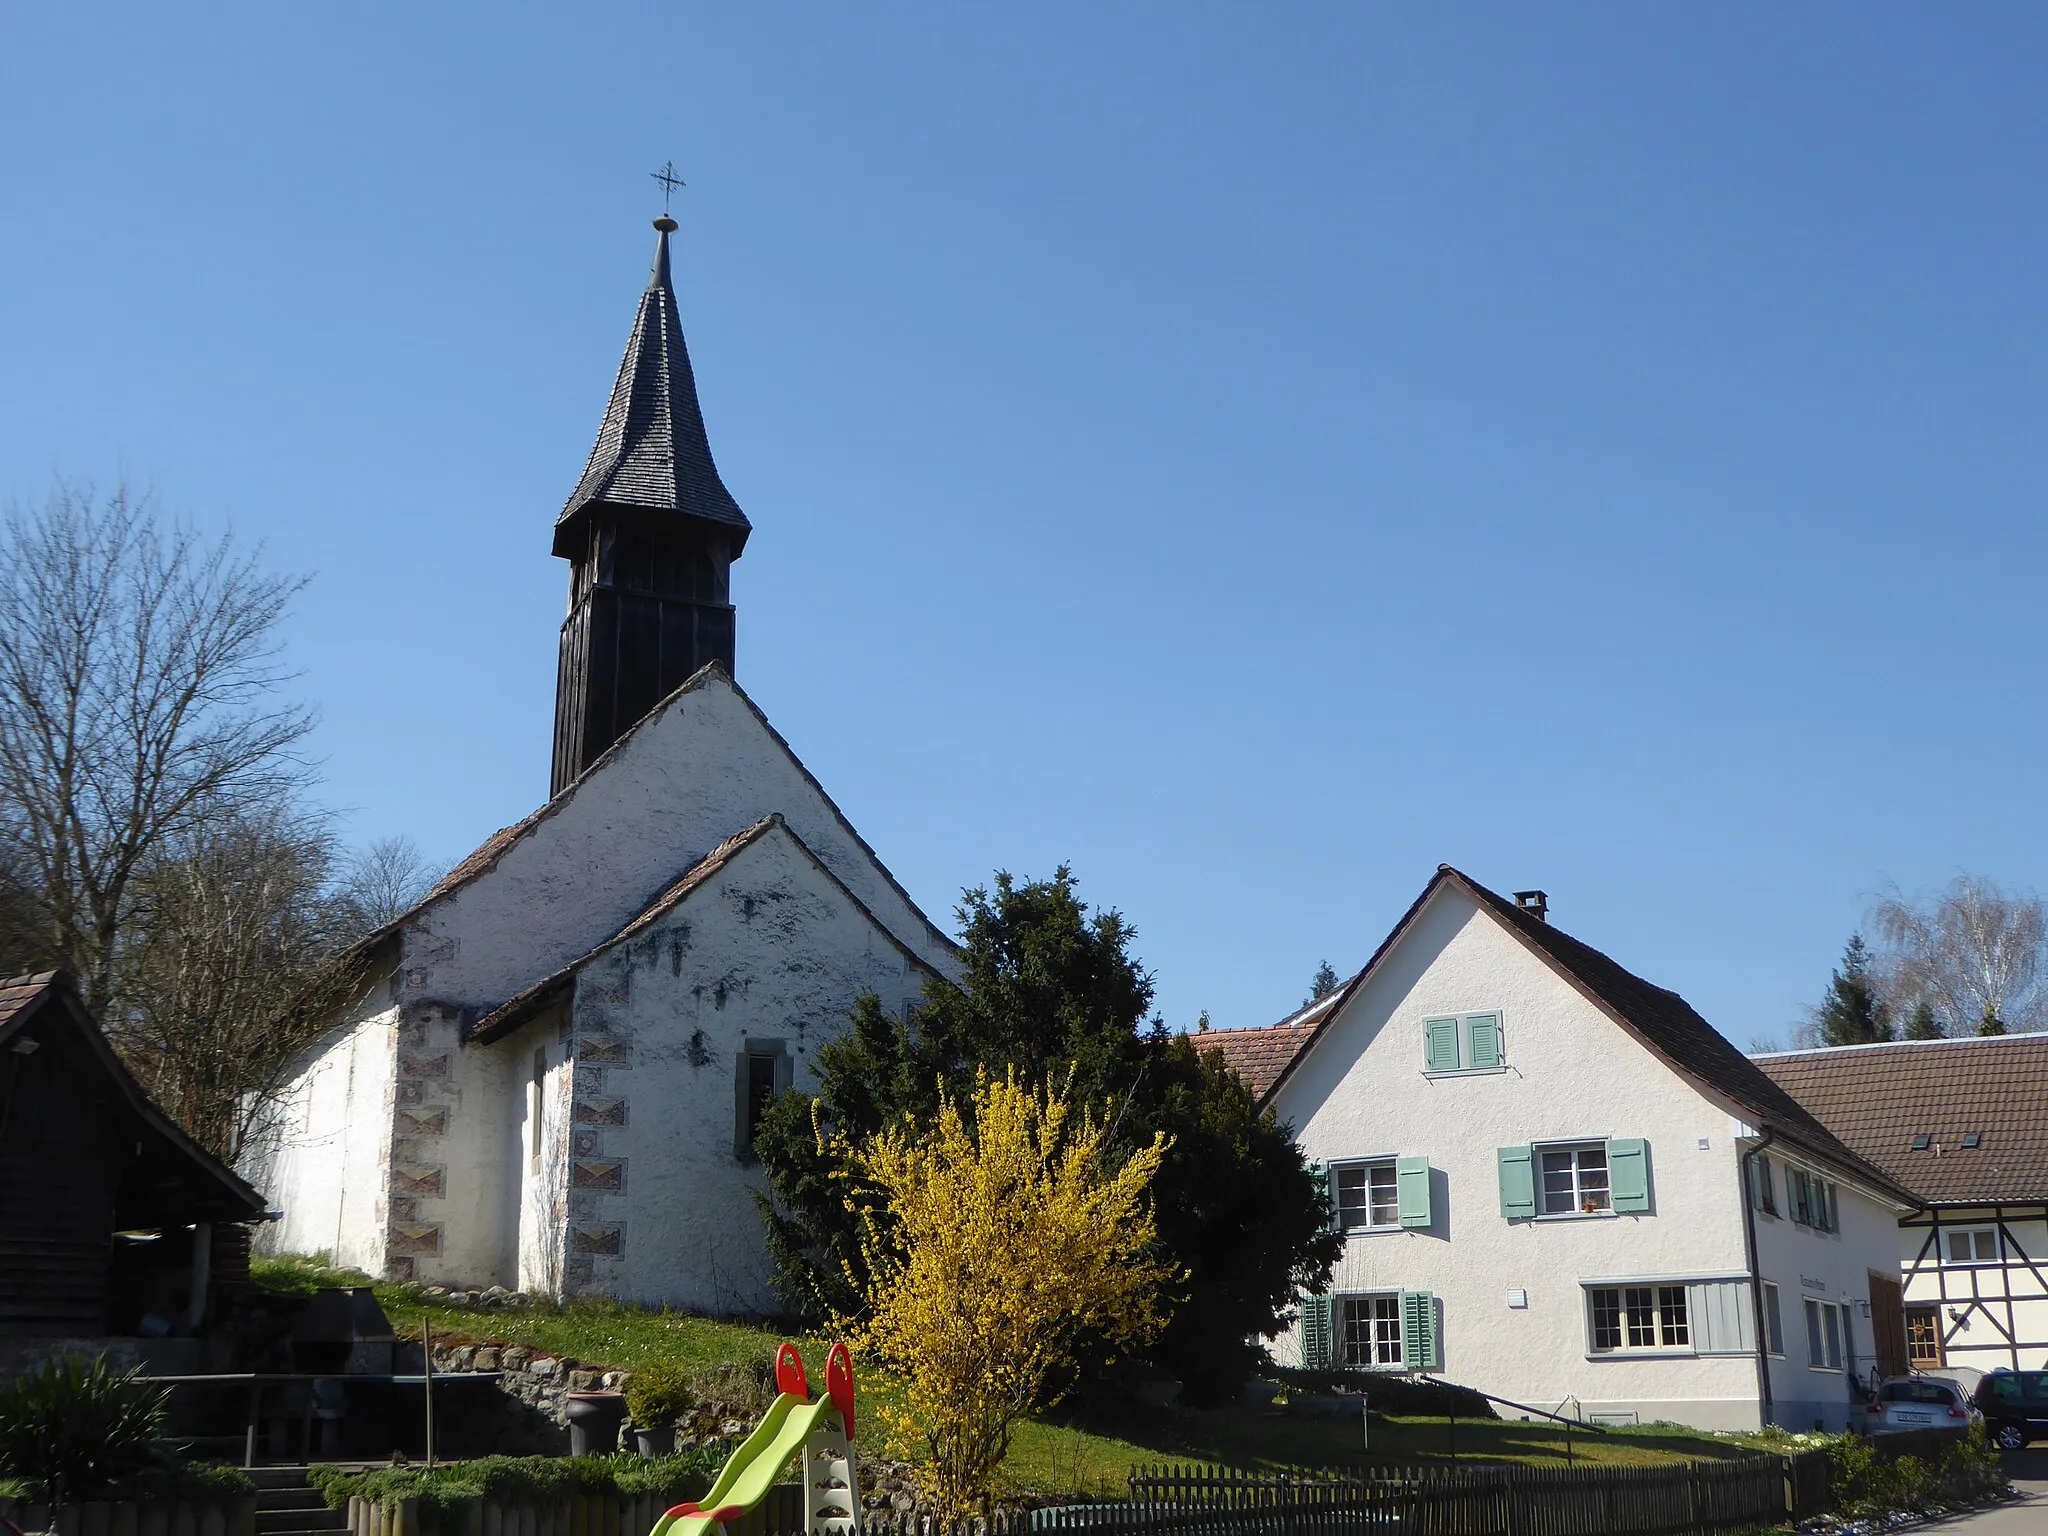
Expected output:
(1662, 1020)
(18, 993)
(1259, 1056)
(651, 452)
(1878, 1098)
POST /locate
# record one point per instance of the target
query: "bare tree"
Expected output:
(138, 701)
(386, 879)
(1974, 952)
(236, 926)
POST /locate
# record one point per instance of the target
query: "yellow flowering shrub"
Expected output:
(1011, 1244)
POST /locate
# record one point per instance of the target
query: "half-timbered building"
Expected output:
(1963, 1124)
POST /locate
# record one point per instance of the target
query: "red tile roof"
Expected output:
(1878, 1098)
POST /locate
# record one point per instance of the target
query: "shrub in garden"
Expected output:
(658, 1395)
(517, 1481)
(1013, 1243)
(71, 1431)
(1972, 1469)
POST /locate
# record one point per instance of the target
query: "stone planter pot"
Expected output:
(658, 1441)
(594, 1420)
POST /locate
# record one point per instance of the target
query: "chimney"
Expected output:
(1535, 903)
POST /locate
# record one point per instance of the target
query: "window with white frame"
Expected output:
(1638, 1317)
(1368, 1195)
(1823, 1334)
(1969, 1245)
(1575, 1179)
(1370, 1330)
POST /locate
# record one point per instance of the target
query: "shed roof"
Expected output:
(171, 1176)
(1880, 1098)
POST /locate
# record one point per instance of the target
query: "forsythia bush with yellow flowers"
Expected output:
(1012, 1242)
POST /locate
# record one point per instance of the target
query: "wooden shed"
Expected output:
(85, 1156)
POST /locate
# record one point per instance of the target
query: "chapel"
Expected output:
(546, 1074)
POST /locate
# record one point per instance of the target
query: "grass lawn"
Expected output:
(1082, 1452)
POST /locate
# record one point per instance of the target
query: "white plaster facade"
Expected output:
(1512, 1299)
(407, 1147)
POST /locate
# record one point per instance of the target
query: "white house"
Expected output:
(1540, 1160)
(547, 1073)
(1964, 1125)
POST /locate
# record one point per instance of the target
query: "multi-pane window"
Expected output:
(1371, 1330)
(1367, 1195)
(1815, 1202)
(1639, 1317)
(1969, 1245)
(1823, 1334)
(1575, 1179)
(1923, 1336)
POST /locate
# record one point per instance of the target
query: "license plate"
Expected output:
(1916, 1418)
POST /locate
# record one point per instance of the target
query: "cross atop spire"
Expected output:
(669, 182)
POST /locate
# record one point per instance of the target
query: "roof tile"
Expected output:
(1878, 1098)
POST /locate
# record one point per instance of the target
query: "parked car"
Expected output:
(2015, 1407)
(1917, 1402)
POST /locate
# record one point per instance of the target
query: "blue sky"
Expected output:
(1252, 453)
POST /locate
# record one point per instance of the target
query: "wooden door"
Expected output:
(1888, 1325)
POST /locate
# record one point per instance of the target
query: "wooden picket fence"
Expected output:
(158, 1518)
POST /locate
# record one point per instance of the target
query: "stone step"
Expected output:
(299, 1522)
(290, 1498)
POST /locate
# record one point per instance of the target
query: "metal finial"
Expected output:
(669, 182)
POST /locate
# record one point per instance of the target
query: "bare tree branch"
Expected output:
(138, 674)
(384, 880)
(1974, 952)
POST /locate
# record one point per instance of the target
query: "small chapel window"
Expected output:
(764, 1070)
(535, 1096)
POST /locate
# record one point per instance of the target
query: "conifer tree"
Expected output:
(1991, 1023)
(1923, 1025)
(1851, 1013)
(1325, 982)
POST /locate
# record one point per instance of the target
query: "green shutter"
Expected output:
(1418, 1331)
(1482, 1031)
(1411, 1180)
(1441, 1036)
(1628, 1174)
(1517, 1182)
(1327, 1185)
(1316, 1333)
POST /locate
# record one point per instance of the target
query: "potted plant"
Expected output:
(656, 1397)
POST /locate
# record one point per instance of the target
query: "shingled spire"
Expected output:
(650, 533)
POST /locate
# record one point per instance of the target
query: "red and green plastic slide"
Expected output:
(821, 1430)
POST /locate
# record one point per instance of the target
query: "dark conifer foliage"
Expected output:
(1051, 989)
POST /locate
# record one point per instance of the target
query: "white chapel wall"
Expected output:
(661, 1208)
(323, 1162)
